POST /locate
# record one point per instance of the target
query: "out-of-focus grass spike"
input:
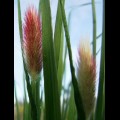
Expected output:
(87, 76)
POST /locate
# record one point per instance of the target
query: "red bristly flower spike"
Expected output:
(32, 42)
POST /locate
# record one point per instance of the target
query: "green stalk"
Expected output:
(77, 95)
(103, 111)
(94, 28)
(31, 98)
(17, 105)
(35, 82)
(25, 114)
(99, 105)
(38, 97)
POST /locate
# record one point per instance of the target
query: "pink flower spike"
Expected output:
(32, 41)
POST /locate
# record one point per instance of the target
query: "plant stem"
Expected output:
(17, 105)
(94, 28)
(35, 82)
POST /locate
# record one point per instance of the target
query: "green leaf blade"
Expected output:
(100, 101)
(52, 98)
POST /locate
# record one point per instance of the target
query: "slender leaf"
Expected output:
(59, 43)
(103, 111)
(99, 106)
(29, 111)
(20, 21)
(57, 34)
(52, 101)
(82, 5)
(60, 70)
(78, 99)
(72, 110)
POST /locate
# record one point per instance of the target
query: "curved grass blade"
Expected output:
(99, 105)
(81, 5)
(77, 96)
(29, 89)
(52, 97)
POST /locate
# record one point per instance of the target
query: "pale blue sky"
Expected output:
(80, 27)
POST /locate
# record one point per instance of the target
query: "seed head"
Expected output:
(86, 76)
(32, 41)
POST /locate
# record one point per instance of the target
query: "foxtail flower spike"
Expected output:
(32, 42)
(86, 76)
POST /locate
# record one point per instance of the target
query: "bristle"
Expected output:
(86, 76)
(32, 42)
